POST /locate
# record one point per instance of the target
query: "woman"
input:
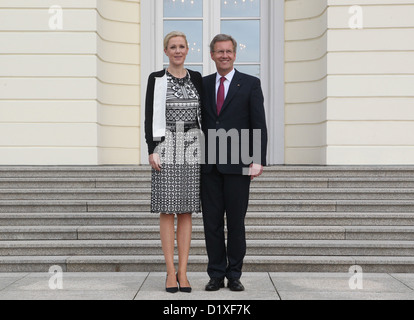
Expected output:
(172, 109)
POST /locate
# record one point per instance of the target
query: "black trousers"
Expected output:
(225, 195)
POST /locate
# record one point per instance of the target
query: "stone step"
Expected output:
(264, 233)
(340, 171)
(75, 183)
(73, 171)
(332, 205)
(80, 219)
(369, 264)
(130, 171)
(122, 263)
(301, 218)
(252, 232)
(252, 219)
(267, 181)
(255, 194)
(10, 206)
(254, 247)
(371, 182)
(76, 194)
(331, 194)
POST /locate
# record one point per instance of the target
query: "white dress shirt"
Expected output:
(229, 78)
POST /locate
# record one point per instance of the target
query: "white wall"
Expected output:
(305, 81)
(69, 96)
(48, 84)
(349, 92)
(371, 83)
(73, 96)
(118, 76)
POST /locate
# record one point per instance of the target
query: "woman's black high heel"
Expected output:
(170, 290)
(184, 289)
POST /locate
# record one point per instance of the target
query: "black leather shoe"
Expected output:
(215, 284)
(235, 285)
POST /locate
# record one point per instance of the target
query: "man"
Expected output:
(234, 124)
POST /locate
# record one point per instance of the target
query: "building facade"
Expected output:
(337, 75)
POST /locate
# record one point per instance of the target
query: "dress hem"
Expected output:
(175, 213)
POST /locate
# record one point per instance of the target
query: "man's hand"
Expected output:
(155, 162)
(255, 170)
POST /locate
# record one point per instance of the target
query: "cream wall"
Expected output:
(118, 76)
(349, 92)
(305, 81)
(69, 96)
(72, 96)
(370, 102)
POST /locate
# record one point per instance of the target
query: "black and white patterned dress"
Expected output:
(176, 189)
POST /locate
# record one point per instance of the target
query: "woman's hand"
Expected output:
(155, 162)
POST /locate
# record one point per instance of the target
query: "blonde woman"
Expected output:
(172, 109)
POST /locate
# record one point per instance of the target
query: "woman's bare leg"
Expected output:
(167, 234)
(184, 231)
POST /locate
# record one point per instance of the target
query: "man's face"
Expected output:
(224, 57)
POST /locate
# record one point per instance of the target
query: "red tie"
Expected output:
(220, 95)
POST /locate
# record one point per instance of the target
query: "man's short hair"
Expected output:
(223, 37)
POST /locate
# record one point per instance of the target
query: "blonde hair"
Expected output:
(174, 34)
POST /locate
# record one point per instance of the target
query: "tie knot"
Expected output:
(222, 79)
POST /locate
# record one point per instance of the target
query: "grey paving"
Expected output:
(259, 286)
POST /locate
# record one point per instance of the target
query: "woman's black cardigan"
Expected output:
(197, 80)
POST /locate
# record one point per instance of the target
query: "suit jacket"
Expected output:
(242, 115)
(152, 141)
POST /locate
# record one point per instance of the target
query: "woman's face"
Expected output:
(177, 51)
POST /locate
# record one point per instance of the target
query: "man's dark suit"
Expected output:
(225, 187)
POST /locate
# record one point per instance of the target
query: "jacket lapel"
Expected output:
(212, 91)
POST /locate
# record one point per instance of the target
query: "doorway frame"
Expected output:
(273, 59)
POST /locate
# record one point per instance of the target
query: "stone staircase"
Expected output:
(300, 219)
